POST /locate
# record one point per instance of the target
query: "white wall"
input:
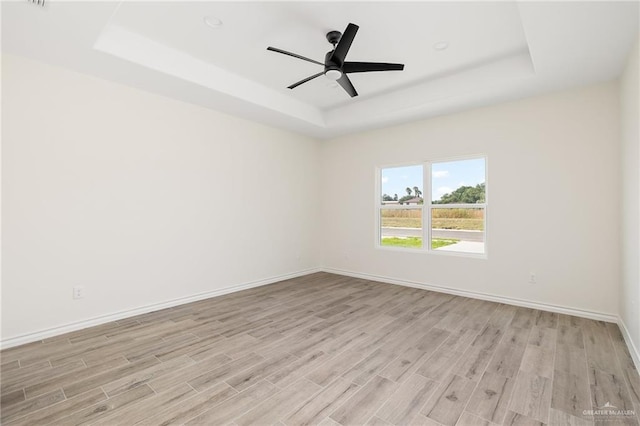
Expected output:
(144, 199)
(630, 157)
(139, 198)
(553, 166)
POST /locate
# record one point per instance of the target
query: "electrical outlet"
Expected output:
(532, 277)
(78, 292)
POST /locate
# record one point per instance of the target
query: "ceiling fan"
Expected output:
(335, 67)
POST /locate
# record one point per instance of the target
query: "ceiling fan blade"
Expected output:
(340, 52)
(347, 86)
(284, 52)
(294, 85)
(350, 67)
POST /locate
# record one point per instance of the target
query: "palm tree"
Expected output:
(408, 190)
(417, 191)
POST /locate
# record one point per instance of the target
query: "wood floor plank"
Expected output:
(55, 352)
(280, 405)
(538, 360)
(161, 347)
(235, 406)
(405, 404)
(629, 371)
(543, 337)
(531, 396)
(508, 355)
(259, 371)
(488, 338)
(19, 374)
(373, 364)
(297, 369)
(223, 372)
(325, 349)
(5, 367)
(560, 418)
(449, 401)
(599, 348)
(144, 376)
(502, 316)
(491, 397)
(13, 397)
(402, 367)
(187, 374)
(139, 412)
(611, 389)
(523, 318)
(328, 421)
(235, 347)
(473, 363)
(468, 419)
(517, 419)
(329, 371)
(366, 401)
(315, 409)
(108, 376)
(439, 365)
(108, 407)
(571, 392)
(377, 421)
(460, 340)
(570, 320)
(570, 336)
(28, 406)
(74, 375)
(53, 413)
(191, 407)
(546, 319)
(39, 376)
(191, 345)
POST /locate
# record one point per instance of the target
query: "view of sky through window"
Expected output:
(445, 177)
(449, 176)
(396, 180)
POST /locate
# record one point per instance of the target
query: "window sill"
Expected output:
(437, 252)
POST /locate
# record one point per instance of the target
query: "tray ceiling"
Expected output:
(496, 51)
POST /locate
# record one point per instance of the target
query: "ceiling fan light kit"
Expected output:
(333, 74)
(335, 67)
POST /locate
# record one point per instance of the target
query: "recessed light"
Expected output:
(441, 45)
(213, 22)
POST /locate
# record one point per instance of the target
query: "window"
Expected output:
(401, 207)
(454, 211)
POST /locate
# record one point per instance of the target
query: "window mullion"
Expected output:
(426, 211)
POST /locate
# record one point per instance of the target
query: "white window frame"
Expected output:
(428, 206)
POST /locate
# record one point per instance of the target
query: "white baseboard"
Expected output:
(599, 316)
(55, 331)
(633, 350)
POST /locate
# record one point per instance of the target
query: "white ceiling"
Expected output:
(497, 51)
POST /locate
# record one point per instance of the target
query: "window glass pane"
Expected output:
(456, 182)
(401, 185)
(460, 230)
(401, 228)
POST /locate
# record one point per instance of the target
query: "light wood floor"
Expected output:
(326, 349)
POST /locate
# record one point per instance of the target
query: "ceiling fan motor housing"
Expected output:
(330, 64)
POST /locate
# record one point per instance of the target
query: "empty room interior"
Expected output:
(320, 213)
